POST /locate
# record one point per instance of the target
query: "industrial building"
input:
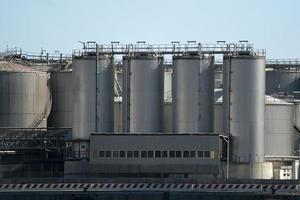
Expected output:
(142, 112)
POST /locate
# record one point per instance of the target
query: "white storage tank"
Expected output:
(25, 99)
(143, 94)
(279, 128)
(243, 103)
(93, 96)
(193, 94)
(62, 105)
(279, 135)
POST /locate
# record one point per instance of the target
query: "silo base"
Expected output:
(250, 171)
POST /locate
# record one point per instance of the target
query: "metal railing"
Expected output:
(43, 56)
(174, 48)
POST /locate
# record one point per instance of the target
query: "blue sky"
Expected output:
(60, 24)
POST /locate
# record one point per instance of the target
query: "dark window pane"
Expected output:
(192, 154)
(136, 154)
(171, 154)
(207, 154)
(200, 154)
(101, 154)
(164, 154)
(115, 154)
(157, 154)
(178, 154)
(107, 154)
(150, 154)
(143, 154)
(186, 154)
(122, 154)
(129, 154)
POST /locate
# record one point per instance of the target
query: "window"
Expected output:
(178, 154)
(122, 154)
(136, 154)
(200, 154)
(107, 154)
(101, 154)
(192, 154)
(115, 154)
(157, 154)
(150, 154)
(143, 154)
(207, 154)
(186, 154)
(129, 154)
(164, 154)
(171, 154)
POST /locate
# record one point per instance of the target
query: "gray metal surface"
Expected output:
(93, 94)
(279, 121)
(143, 93)
(282, 81)
(61, 90)
(279, 132)
(24, 96)
(244, 93)
(193, 94)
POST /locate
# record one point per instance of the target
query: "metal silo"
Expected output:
(279, 128)
(143, 94)
(193, 94)
(282, 81)
(25, 99)
(61, 90)
(93, 96)
(243, 101)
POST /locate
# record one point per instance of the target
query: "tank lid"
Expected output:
(14, 67)
(273, 100)
(218, 94)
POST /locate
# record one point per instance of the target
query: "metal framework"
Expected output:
(42, 57)
(12, 139)
(115, 48)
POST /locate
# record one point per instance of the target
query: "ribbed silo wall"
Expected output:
(93, 96)
(244, 104)
(143, 94)
(25, 99)
(193, 94)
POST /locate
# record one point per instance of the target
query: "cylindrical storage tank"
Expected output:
(243, 101)
(25, 99)
(93, 96)
(279, 122)
(282, 81)
(143, 94)
(193, 94)
(61, 90)
(279, 128)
